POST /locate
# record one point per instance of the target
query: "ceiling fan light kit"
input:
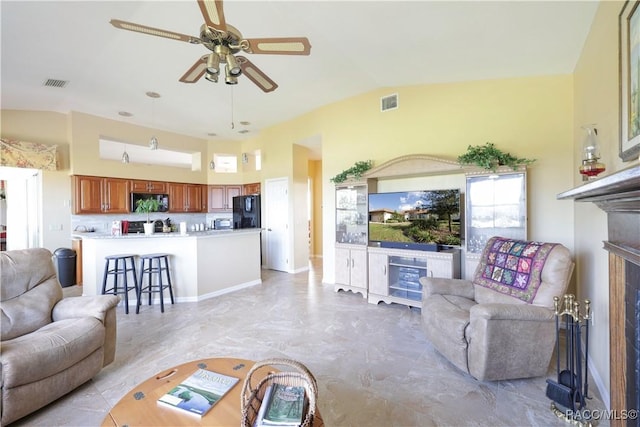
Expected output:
(230, 79)
(225, 41)
(213, 63)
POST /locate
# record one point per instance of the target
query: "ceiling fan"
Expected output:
(225, 41)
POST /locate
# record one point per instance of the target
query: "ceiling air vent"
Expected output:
(56, 83)
(389, 102)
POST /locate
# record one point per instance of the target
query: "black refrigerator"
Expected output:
(246, 211)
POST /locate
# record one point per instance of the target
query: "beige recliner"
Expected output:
(500, 325)
(50, 344)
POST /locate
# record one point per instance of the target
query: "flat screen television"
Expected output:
(422, 220)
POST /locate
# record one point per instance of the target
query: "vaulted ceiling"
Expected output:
(357, 46)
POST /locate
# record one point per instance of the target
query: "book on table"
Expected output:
(199, 392)
(282, 406)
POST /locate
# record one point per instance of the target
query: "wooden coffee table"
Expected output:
(139, 407)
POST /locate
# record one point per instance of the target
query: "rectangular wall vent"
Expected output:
(56, 83)
(389, 102)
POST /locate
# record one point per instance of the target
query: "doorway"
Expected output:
(276, 224)
(22, 219)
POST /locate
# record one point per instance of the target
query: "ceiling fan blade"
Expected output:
(124, 25)
(280, 46)
(256, 75)
(196, 71)
(213, 14)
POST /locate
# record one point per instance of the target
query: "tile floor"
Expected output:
(373, 365)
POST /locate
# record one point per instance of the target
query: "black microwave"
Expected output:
(163, 199)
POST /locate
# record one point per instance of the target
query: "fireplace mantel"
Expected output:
(618, 195)
(616, 192)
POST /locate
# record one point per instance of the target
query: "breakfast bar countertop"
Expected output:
(203, 264)
(206, 233)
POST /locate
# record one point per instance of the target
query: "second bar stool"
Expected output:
(147, 267)
(120, 268)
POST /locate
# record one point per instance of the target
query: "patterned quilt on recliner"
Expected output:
(513, 267)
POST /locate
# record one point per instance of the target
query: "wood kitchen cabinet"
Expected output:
(185, 197)
(93, 194)
(221, 197)
(153, 187)
(253, 188)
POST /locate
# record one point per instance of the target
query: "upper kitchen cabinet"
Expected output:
(221, 197)
(152, 187)
(185, 197)
(94, 195)
(253, 188)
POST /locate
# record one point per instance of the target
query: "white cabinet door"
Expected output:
(378, 274)
(359, 267)
(343, 266)
(439, 268)
(277, 224)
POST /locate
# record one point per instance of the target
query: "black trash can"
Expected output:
(65, 263)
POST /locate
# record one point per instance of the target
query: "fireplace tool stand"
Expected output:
(572, 387)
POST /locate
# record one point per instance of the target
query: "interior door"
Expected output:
(277, 224)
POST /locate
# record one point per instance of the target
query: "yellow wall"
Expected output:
(596, 101)
(299, 208)
(86, 131)
(315, 173)
(529, 117)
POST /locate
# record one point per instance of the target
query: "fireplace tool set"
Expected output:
(572, 386)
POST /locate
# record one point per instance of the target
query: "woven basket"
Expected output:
(253, 389)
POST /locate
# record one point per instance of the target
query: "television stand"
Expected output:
(394, 273)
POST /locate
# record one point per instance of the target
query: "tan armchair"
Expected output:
(50, 344)
(500, 325)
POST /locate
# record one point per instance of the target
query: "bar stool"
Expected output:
(120, 268)
(147, 267)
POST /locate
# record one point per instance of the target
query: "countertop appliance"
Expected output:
(246, 211)
(222, 223)
(163, 199)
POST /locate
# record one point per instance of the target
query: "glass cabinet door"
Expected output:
(351, 214)
(495, 206)
(404, 276)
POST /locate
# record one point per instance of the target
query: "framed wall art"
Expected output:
(629, 51)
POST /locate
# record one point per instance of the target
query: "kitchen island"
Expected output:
(203, 264)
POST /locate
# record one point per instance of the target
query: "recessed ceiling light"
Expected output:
(125, 114)
(153, 94)
(245, 123)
